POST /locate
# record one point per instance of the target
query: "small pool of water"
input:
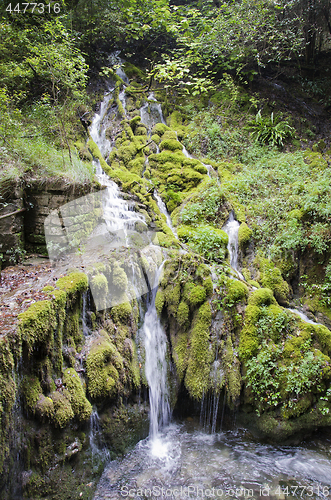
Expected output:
(185, 462)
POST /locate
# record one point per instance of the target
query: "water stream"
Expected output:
(156, 367)
(224, 465)
(231, 228)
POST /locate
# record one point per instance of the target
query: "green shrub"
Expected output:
(270, 130)
(207, 240)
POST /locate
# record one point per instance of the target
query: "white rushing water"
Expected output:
(231, 228)
(303, 316)
(156, 367)
(224, 465)
(164, 211)
(118, 214)
(151, 113)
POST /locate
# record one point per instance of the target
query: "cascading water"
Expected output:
(231, 228)
(303, 316)
(151, 112)
(118, 215)
(117, 212)
(156, 364)
(163, 209)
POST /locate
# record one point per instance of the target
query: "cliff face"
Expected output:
(72, 372)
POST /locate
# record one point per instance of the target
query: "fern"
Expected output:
(270, 130)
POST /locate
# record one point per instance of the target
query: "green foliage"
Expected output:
(264, 376)
(270, 130)
(206, 240)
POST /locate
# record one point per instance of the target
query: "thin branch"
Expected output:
(13, 213)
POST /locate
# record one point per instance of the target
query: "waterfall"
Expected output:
(156, 364)
(303, 316)
(231, 228)
(210, 171)
(151, 113)
(164, 211)
(94, 437)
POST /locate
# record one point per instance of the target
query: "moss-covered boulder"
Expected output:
(103, 367)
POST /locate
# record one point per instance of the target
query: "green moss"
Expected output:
(236, 292)
(316, 160)
(132, 71)
(44, 408)
(172, 298)
(249, 341)
(200, 356)
(119, 278)
(183, 314)
(122, 312)
(159, 129)
(244, 235)
(170, 145)
(261, 297)
(165, 240)
(159, 301)
(103, 365)
(73, 283)
(169, 134)
(80, 405)
(271, 277)
(253, 283)
(188, 287)
(208, 286)
(31, 390)
(99, 286)
(63, 412)
(197, 295)
(156, 138)
(36, 325)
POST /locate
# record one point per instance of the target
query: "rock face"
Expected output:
(24, 231)
(54, 366)
(12, 227)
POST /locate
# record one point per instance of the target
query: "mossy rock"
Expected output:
(159, 301)
(208, 286)
(63, 412)
(171, 145)
(236, 292)
(119, 278)
(37, 324)
(169, 134)
(99, 287)
(182, 315)
(80, 405)
(122, 312)
(271, 277)
(197, 295)
(31, 390)
(200, 356)
(244, 235)
(159, 129)
(103, 367)
(262, 297)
